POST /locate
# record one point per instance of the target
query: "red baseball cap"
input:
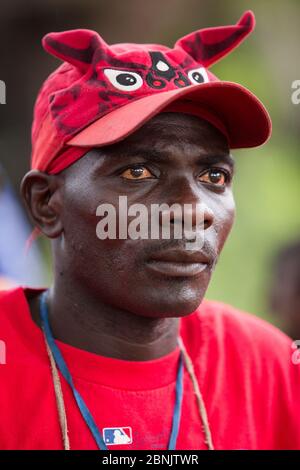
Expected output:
(102, 93)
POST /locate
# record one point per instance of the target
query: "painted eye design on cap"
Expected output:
(123, 80)
(198, 75)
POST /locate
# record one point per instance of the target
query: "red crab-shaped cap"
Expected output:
(102, 93)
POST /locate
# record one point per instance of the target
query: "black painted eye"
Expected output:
(126, 79)
(198, 75)
(123, 80)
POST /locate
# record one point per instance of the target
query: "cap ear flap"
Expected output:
(209, 45)
(75, 46)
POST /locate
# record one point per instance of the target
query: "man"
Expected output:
(123, 351)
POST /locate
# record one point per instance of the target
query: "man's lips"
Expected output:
(179, 263)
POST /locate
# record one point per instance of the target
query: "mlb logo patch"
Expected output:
(117, 436)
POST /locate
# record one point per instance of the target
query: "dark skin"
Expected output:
(106, 297)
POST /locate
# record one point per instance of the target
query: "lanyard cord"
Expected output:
(57, 360)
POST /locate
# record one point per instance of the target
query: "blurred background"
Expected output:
(266, 185)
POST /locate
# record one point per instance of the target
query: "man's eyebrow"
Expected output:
(161, 156)
(216, 158)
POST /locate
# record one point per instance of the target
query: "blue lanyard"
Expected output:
(85, 412)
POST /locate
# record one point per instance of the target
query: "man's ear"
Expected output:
(43, 199)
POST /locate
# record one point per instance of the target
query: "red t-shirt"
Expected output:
(244, 366)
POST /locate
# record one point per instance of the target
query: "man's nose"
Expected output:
(186, 201)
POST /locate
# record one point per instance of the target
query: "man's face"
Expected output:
(174, 158)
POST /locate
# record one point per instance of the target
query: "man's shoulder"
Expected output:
(14, 293)
(10, 301)
(8, 296)
(238, 319)
(237, 331)
(14, 300)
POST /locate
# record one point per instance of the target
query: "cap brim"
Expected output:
(245, 118)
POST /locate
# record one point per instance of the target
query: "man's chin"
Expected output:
(167, 297)
(166, 308)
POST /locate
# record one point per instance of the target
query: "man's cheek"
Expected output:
(223, 224)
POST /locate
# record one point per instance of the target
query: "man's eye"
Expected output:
(137, 173)
(214, 176)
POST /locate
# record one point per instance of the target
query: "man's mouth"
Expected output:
(179, 263)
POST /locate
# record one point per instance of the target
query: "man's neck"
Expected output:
(88, 324)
